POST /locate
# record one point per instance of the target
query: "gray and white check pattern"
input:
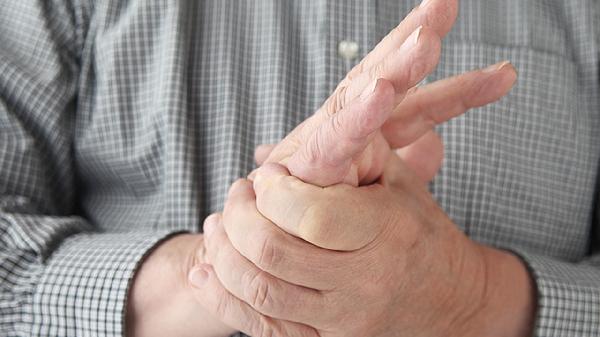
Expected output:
(122, 122)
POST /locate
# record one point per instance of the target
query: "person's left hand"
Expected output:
(415, 273)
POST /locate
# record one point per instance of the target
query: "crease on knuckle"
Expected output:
(313, 154)
(268, 255)
(378, 70)
(258, 292)
(337, 101)
(338, 128)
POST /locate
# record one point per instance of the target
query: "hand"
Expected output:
(415, 273)
(348, 138)
(409, 129)
(412, 118)
(161, 301)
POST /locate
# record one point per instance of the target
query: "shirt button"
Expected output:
(348, 49)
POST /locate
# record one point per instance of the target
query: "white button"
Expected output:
(348, 49)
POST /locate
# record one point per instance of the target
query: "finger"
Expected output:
(326, 157)
(424, 156)
(335, 217)
(369, 164)
(440, 101)
(397, 176)
(264, 292)
(274, 251)
(262, 152)
(414, 60)
(403, 67)
(439, 15)
(209, 292)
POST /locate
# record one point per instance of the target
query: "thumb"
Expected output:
(424, 156)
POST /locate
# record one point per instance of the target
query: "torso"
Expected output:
(217, 78)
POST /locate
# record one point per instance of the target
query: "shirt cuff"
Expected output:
(568, 296)
(84, 285)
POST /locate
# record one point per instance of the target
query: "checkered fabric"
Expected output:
(122, 122)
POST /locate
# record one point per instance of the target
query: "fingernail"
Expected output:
(424, 3)
(198, 277)
(496, 67)
(414, 37)
(209, 225)
(369, 90)
(252, 175)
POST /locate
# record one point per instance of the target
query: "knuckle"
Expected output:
(313, 226)
(313, 154)
(337, 125)
(337, 101)
(378, 70)
(258, 292)
(267, 254)
(356, 71)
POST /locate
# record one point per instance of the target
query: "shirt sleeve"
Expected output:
(568, 295)
(59, 275)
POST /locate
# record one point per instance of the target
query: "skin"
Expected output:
(346, 141)
(414, 272)
(164, 302)
(160, 302)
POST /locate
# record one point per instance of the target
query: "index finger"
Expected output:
(439, 15)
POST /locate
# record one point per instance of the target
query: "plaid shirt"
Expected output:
(122, 122)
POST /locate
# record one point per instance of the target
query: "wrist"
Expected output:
(160, 303)
(509, 303)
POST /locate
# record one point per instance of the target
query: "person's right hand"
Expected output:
(378, 107)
